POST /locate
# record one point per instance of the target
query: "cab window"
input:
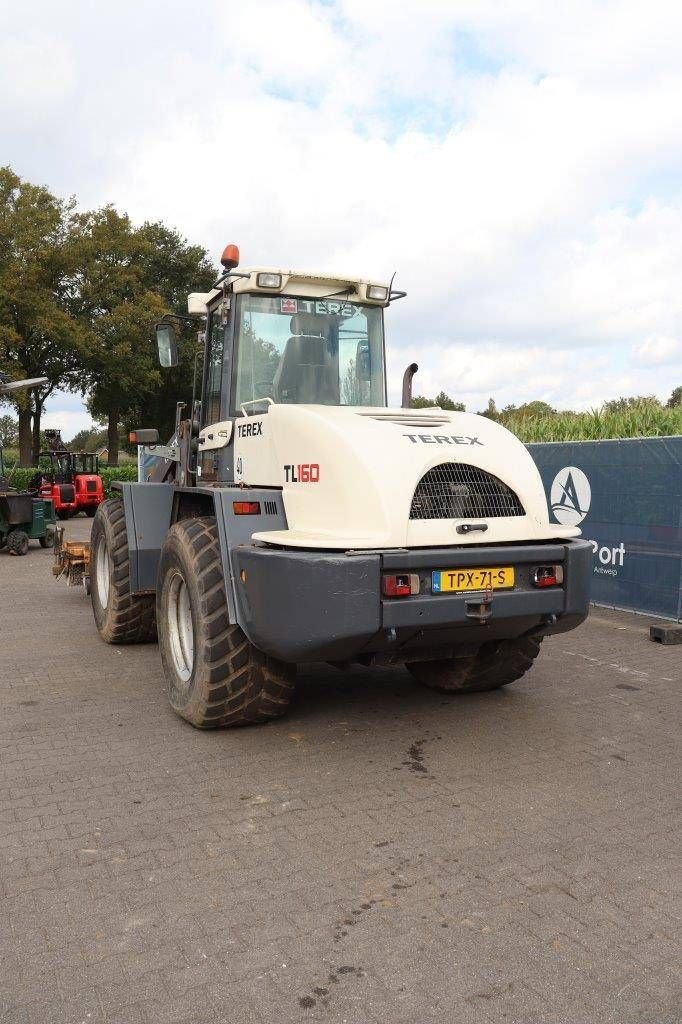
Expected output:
(309, 351)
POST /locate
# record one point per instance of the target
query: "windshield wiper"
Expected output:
(335, 295)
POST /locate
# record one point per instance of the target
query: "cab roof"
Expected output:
(294, 282)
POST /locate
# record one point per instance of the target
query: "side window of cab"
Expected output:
(214, 370)
(213, 386)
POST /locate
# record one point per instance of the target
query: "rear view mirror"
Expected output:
(167, 345)
(363, 363)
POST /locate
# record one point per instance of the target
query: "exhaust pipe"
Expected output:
(407, 384)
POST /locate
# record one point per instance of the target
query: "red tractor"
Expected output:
(71, 479)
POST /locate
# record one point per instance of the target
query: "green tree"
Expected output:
(675, 399)
(441, 401)
(172, 269)
(9, 432)
(90, 439)
(444, 401)
(129, 278)
(38, 337)
(529, 410)
(620, 405)
(491, 411)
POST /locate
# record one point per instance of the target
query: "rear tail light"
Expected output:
(548, 575)
(246, 508)
(401, 584)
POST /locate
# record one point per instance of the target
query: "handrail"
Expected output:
(255, 401)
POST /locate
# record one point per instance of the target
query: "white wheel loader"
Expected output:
(294, 517)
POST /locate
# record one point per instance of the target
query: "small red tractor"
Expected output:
(71, 479)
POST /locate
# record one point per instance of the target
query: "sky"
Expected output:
(518, 164)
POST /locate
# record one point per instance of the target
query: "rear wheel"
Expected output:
(496, 664)
(90, 511)
(215, 676)
(17, 542)
(121, 617)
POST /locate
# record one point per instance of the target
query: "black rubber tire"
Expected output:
(496, 664)
(91, 511)
(47, 540)
(231, 681)
(63, 513)
(17, 542)
(126, 619)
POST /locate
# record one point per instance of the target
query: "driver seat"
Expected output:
(307, 373)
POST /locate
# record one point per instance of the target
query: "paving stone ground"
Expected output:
(383, 854)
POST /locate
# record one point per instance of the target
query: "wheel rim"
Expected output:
(103, 572)
(180, 628)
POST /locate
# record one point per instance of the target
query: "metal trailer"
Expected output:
(23, 518)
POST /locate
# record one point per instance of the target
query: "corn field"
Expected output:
(645, 420)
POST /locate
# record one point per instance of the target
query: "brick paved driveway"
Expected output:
(383, 854)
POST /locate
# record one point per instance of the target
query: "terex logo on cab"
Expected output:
(303, 473)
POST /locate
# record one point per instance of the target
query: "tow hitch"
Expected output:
(481, 608)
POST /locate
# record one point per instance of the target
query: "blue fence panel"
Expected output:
(626, 496)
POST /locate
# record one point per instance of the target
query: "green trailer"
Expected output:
(24, 517)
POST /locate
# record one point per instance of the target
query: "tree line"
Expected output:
(80, 292)
(541, 410)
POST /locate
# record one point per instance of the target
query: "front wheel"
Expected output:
(216, 677)
(17, 542)
(121, 617)
(497, 663)
(47, 540)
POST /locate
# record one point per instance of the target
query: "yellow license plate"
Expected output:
(462, 580)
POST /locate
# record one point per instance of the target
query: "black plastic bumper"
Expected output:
(304, 606)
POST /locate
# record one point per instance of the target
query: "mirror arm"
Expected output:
(177, 316)
(230, 273)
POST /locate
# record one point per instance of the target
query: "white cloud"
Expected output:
(67, 421)
(657, 351)
(517, 162)
(36, 74)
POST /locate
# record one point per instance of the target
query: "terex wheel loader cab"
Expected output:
(301, 519)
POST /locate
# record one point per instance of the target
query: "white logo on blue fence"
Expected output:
(570, 496)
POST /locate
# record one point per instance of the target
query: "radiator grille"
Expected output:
(457, 491)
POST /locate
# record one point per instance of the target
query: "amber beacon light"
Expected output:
(230, 257)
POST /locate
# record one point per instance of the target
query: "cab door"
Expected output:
(216, 465)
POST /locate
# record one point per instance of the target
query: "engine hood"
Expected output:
(348, 475)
